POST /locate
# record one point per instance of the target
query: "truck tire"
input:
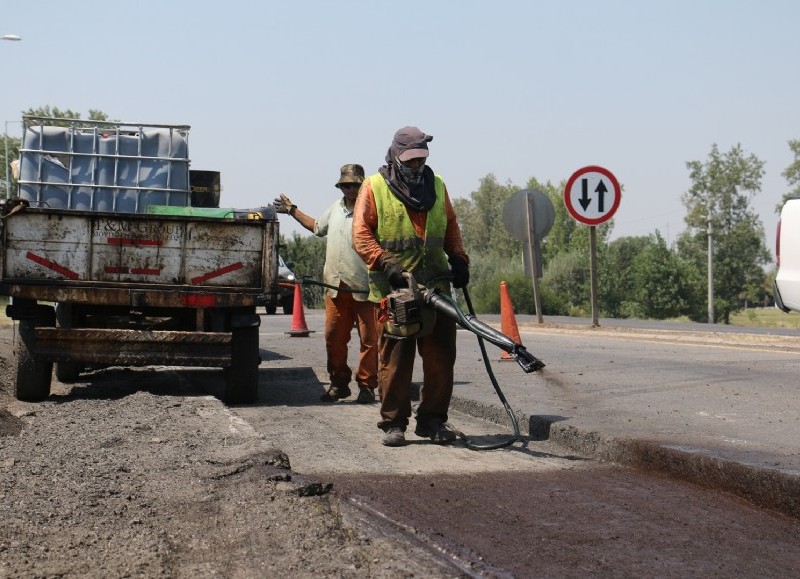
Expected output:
(241, 377)
(288, 305)
(67, 372)
(270, 310)
(33, 376)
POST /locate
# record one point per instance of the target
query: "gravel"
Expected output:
(128, 475)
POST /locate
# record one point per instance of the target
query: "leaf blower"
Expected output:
(412, 313)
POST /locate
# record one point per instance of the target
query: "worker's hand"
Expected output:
(393, 270)
(283, 204)
(460, 271)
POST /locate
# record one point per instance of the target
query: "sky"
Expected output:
(280, 94)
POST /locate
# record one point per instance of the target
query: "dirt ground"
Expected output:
(145, 473)
(146, 480)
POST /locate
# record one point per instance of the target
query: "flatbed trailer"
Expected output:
(93, 285)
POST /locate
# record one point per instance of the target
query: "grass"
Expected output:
(766, 318)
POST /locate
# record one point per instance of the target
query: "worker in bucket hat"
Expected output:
(346, 303)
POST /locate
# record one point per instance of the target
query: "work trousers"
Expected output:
(395, 368)
(341, 313)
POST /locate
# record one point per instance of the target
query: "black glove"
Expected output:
(460, 272)
(393, 270)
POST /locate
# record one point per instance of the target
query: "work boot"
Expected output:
(394, 436)
(366, 395)
(437, 431)
(335, 393)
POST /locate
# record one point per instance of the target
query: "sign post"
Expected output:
(592, 196)
(528, 216)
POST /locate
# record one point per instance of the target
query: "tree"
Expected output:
(617, 289)
(307, 256)
(56, 113)
(567, 282)
(11, 145)
(494, 254)
(718, 203)
(664, 284)
(792, 175)
(481, 220)
(10, 153)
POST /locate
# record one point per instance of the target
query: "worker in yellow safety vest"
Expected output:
(404, 221)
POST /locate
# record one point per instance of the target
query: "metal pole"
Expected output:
(593, 273)
(533, 256)
(710, 268)
(7, 168)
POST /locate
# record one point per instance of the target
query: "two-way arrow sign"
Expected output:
(592, 195)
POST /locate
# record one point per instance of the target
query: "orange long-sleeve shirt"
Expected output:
(365, 223)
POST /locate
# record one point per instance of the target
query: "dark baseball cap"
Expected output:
(411, 143)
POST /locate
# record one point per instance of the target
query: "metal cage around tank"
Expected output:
(103, 165)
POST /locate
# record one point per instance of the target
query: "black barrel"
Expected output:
(205, 188)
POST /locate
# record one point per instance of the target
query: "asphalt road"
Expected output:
(539, 507)
(727, 394)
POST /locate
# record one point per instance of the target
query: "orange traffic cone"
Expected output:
(508, 323)
(299, 327)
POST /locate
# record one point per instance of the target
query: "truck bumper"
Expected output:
(133, 296)
(133, 347)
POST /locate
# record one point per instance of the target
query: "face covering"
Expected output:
(412, 176)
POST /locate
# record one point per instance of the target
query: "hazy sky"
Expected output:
(280, 94)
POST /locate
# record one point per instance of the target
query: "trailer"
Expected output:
(112, 257)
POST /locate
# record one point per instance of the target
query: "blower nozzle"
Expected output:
(527, 361)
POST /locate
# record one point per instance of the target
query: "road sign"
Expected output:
(592, 195)
(515, 214)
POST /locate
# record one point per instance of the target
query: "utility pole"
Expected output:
(710, 233)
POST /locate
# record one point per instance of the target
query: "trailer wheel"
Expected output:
(33, 378)
(271, 309)
(241, 377)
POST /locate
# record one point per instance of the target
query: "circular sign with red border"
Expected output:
(592, 195)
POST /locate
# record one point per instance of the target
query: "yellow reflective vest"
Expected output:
(423, 257)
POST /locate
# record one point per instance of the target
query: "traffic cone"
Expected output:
(508, 323)
(299, 328)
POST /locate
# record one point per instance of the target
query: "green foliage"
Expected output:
(11, 145)
(662, 284)
(481, 220)
(719, 201)
(307, 257)
(792, 175)
(614, 280)
(567, 284)
(486, 273)
(56, 113)
(10, 152)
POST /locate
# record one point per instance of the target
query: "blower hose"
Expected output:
(468, 324)
(527, 361)
(309, 281)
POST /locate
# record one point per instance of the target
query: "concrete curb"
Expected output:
(766, 488)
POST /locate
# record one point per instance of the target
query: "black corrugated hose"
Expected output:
(465, 323)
